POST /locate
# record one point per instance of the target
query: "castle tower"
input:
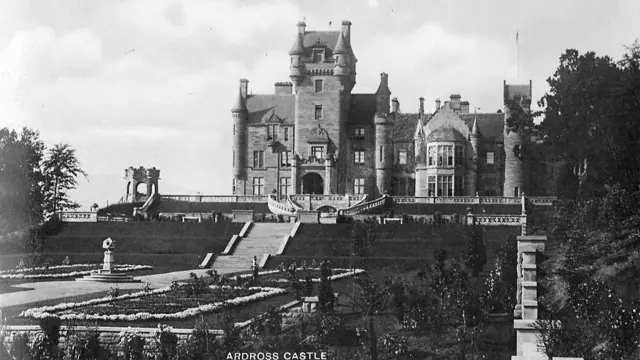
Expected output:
(384, 123)
(323, 71)
(514, 167)
(472, 169)
(420, 159)
(240, 115)
(135, 177)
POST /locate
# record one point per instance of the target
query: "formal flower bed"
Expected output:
(64, 271)
(170, 303)
(284, 277)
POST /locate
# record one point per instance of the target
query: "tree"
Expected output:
(20, 179)
(590, 116)
(61, 170)
(476, 252)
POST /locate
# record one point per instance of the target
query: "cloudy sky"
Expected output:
(151, 82)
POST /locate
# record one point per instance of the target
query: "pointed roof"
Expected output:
(342, 47)
(383, 89)
(474, 129)
(240, 103)
(298, 46)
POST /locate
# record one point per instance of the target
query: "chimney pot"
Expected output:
(302, 27)
(421, 111)
(396, 105)
(437, 104)
(244, 86)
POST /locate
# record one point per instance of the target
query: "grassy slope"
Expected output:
(402, 247)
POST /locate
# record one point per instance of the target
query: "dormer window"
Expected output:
(318, 55)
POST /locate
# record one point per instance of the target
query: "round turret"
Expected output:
(240, 115)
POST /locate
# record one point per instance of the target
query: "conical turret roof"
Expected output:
(240, 103)
(474, 129)
(298, 47)
(342, 47)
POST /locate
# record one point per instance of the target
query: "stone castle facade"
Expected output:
(314, 136)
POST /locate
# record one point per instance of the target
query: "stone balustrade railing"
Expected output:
(536, 200)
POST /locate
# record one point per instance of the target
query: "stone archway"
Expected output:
(312, 183)
(141, 190)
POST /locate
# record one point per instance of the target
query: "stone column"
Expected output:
(327, 176)
(108, 260)
(526, 311)
(294, 174)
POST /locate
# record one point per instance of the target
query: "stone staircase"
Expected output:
(263, 238)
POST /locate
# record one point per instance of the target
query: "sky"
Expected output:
(151, 82)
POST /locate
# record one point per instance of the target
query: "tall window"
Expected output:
(258, 186)
(381, 150)
(285, 185)
(448, 154)
(359, 157)
(402, 157)
(234, 129)
(286, 134)
(258, 159)
(358, 133)
(459, 156)
(411, 191)
(318, 112)
(432, 155)
(358, 186)
(440, 156)
(317, 152)
(445, 186)
(233, 158)
(285, 158)
(319, 85)
(401, 186)
(490, 158)
(272, 132)
(317, 55)
(431, 186)
(233, 187)
(458, 187)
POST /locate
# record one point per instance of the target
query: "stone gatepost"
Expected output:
(526, 310)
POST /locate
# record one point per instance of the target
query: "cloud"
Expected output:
(433, 62)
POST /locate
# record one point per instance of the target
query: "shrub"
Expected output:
(165, 342)
(132, 345)
(85, 345)
(66, 261)
(476, 252)
(113, 292)
(330, 329)
(19, 348)
(437, 217)
(397, 345)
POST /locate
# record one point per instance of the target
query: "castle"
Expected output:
(314, 136)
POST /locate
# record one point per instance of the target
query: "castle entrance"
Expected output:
(312, 183)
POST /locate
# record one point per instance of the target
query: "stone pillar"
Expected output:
(294, 175)
(108, 260)
(327, 176)
(526, 311)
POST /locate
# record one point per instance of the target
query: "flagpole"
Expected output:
(517, 56)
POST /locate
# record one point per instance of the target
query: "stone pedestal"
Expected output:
(107, 261)
(527, 297)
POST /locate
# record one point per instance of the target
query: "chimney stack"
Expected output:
(302, 27)
(464, 107)
(244, 87)
(437, 104)
(396, 105)
(384, 79)
(421, 110)
(346, 30)
(455, 102)
(284, 88)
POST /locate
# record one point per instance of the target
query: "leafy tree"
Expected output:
(61, 170)
(590, 117)
(372, 298)
(20, 179)
(476, 252)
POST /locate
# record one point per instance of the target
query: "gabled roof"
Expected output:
(405, 126)
(490, 126)
(271, 108)
(445, 134)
